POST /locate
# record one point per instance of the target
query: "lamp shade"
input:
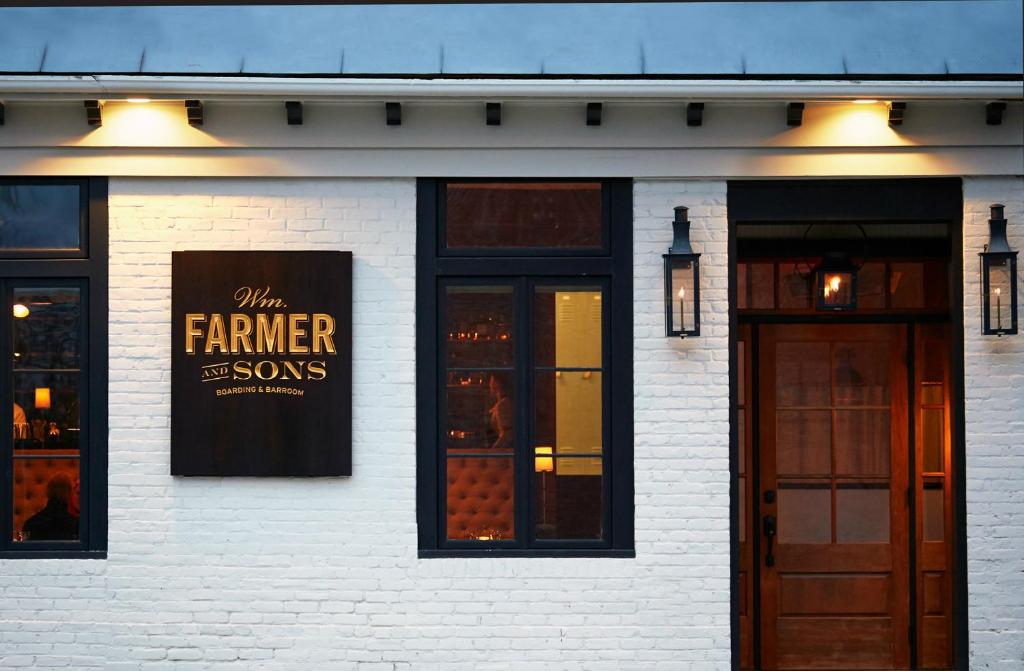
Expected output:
(542, 463)
(42, 398)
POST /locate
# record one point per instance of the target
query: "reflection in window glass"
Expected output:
(39, 216)
(46, 413)
(795, 285)
(524, 214)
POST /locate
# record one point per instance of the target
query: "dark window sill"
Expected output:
(546, 552)
(53, 554)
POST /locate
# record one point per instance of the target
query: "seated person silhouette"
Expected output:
(54, 522)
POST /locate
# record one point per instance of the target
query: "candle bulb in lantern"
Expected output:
(682, 309)
(999, 309)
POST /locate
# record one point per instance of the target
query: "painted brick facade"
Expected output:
(208, 573)
(994, 385)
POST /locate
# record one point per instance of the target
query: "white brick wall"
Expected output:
(210, 573)
(994, 370)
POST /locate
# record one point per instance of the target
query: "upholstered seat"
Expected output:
(30, 479)
(480, 498)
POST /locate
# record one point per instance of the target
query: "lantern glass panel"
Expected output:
(682, 298)
(999, 294)
(836, 290)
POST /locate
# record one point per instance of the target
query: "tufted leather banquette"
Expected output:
(480, 498)
(30, 479)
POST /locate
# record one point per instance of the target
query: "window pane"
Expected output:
(524, 214)
(755, 286)
(568, 498)
(805, 513)
(862, 514)
(47, 324)
(802, 374)
(567, 326)
(568, 412)
(934, 519)
(478, 325)
(862, 442)
(481, 412)
(480, 498)
(871, 286)
(794, 285)
(861, 373)
(933, 439)
(41, 216)
(803, 441)
(46, 498)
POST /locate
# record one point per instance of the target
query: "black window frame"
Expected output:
(86, 268)
(525, 268)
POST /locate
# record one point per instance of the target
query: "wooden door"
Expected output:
(834, 489)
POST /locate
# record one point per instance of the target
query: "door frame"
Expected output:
(907, 200)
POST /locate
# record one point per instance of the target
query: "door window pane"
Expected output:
(802, 374)
(861, 373)
(803, 442)
(480, 499)
(524, 214)
(478, 325)
(871, 286)
(862, 513)
(568, 498)
(794, 285)
(934, 518)
(805, 513)
(862, 442)
(40, 216)
(933, 439)
(567, 326)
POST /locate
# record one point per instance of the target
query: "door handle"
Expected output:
(770, 528)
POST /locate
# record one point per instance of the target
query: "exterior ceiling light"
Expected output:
(393, 114)
(493, 114)
(594, 111)
(896, 112)
(994, 113)
(138, 101)
(93, 115)
(794, 114)
(194, 112)
(695, 114)
(682, 281)
(865, 101)
(998, 280)
(20, 311)
(293, 112)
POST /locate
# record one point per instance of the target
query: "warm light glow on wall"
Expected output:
(157, 124)
(849, 124)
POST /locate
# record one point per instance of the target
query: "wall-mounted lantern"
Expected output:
(998, 280)
(682, 281)
(835, 282)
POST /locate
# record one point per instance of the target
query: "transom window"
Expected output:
(524, 344)
(53, 279)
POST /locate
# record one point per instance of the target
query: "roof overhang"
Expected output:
(114, 87)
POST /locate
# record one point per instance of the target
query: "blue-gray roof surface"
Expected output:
(841, 39)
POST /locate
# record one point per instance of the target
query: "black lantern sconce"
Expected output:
(835, 282)
(998, 280)
(682, 281)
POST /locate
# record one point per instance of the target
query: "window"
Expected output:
(53, 279)
(524, 368)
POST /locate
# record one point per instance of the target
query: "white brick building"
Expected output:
(648, 553)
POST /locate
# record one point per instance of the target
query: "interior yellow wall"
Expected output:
(578, 395)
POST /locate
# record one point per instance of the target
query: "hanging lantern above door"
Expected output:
(998, 280)
(835, 281)
(682, 281)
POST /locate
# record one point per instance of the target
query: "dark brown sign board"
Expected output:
(261, 364)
